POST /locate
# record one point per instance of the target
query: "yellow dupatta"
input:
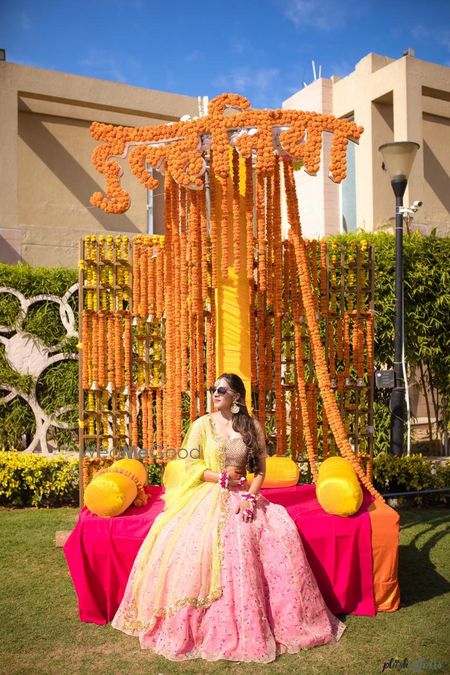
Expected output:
(180, 560)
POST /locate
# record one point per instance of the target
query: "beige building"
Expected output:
(47, 177)
(394, 100)
(46, 173)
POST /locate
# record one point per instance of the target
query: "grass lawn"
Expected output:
(41, 632)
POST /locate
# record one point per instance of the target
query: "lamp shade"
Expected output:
(398, 158)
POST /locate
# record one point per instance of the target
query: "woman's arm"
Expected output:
(260, 473)
(246, 507)
(214, 477)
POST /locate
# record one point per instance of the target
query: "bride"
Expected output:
(222, 573)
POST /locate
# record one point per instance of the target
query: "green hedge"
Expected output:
(427, 319)
(408, 474)
(33, 480)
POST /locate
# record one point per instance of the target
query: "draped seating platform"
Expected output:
(354, 559)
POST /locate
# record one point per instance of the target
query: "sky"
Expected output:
(261, 49)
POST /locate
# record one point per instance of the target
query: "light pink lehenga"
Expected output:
(266, 601)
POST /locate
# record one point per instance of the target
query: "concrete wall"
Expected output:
(46, 173)
(394, 100)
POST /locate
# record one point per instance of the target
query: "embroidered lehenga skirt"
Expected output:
(267, 601)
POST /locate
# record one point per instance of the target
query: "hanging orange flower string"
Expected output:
(312, 413)
(331, 350)
(213, 223)
(127, 350)
(301, 393)
(101, 350)
(369, 342)
(144, 413)
(249, 218)
(144, 286)
(170, 332)
(323, 378)
(236, 213)
(204, 253)
(151, 275)
(324, 434)
(150, 431)
(280, 401)
(184, 292)
(192, 366)
(261, 316)
(323, 278)
(118, 351)
(136, 275)
(253, 314)
(95, 347)
(261, 231)
(134, 420)
(110, 348)
(199, 308)
(159, 279)
(159, 419)
(177, 309)
(85, 353)
(225, 226)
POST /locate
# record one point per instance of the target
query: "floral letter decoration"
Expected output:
(182, 147)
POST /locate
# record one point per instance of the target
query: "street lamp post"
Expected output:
(397, 161)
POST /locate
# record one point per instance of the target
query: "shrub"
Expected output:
(33, 480)
(411, 473)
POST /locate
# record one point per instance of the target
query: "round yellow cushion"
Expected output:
(280, 472)
(110, 494)
(133, 466)
(338, 489)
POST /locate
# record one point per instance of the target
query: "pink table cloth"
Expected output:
(100, 552)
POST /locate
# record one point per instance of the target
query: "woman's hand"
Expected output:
(243, 507)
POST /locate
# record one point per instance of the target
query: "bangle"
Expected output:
(249, 511)
(250, 497)
(223, 480)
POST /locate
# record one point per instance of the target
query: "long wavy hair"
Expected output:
(242, 421)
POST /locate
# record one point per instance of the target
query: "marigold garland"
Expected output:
(249, 218)
(301, 393)
(261, 231)
(225, 226)
(183, 327)
(85, 336)
(178, 147)
(236, 213)
(252, 322)
(323, 378)
(370, 342)
(165, 289)
(213, 224)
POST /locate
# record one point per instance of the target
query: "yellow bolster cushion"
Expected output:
(133, 466)
(338, 489)
(110, 494)
(280, 472)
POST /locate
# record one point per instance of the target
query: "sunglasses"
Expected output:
(220, 390)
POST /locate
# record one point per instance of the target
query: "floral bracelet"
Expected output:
(250, 497)
(224, 480)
